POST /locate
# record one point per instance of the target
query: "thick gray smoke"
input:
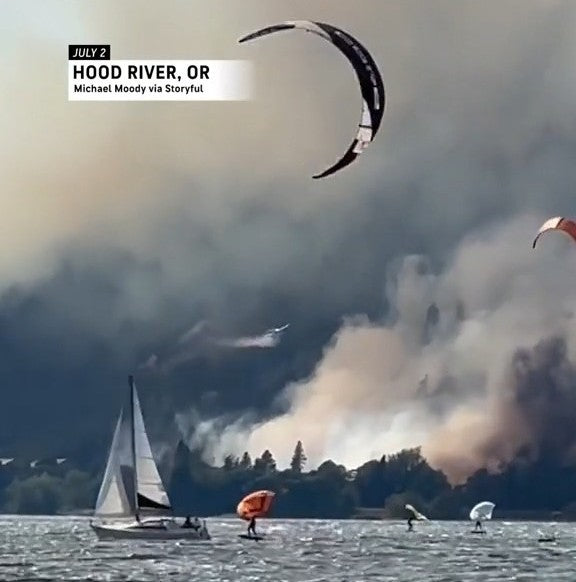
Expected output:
(124, 222)
(494, 353)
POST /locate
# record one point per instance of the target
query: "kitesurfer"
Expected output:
(478, 526)
(410, 526)
(252, 527)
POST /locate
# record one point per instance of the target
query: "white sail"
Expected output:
(116, 496)
(417, 515)
(152, 495)
(482, 511)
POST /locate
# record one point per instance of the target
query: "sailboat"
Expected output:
(132, 502)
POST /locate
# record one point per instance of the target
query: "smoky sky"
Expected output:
(125, 224)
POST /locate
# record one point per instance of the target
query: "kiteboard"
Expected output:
(256, 538)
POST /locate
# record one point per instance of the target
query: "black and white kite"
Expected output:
(368, 75)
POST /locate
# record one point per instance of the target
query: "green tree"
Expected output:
(181, 483)
(298, 459)
(230, 463)
(78, 491)
(246, 461)
(266, 463)
(39, 494)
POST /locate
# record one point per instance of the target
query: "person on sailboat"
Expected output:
(478, 526)
(189, 524)
(252, 527)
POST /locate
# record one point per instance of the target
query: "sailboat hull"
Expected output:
(164, 530)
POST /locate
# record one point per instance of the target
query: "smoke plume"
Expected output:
(495, 353)
(124, 222)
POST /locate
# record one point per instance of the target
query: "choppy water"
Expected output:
(294, 551)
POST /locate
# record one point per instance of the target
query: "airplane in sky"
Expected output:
(277, 329)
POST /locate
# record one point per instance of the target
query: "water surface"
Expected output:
(64, 548)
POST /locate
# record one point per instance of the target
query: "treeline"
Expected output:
(379, 488)
(46, 491)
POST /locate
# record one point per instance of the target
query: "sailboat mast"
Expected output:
(133, 445)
